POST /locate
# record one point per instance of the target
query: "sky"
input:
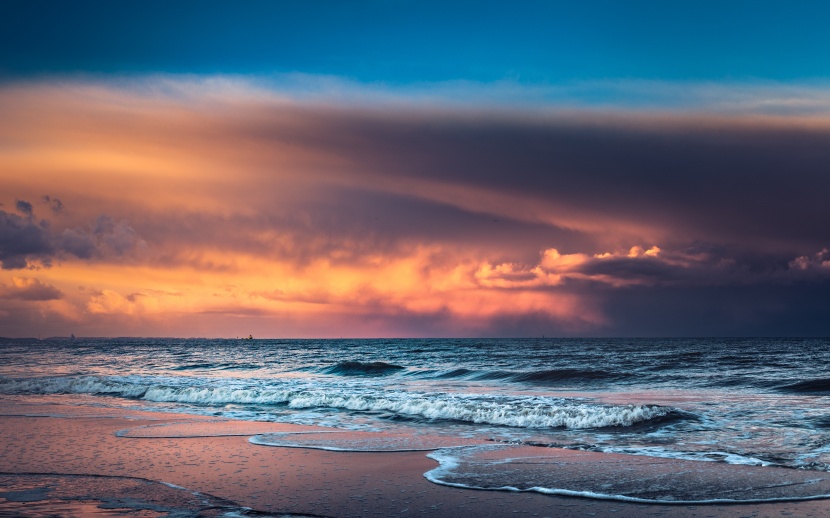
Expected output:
(414, 169)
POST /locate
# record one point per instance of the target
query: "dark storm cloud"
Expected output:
(115, 237)
(576, 181)
(760, 309)
(26, 243)
(24, 207)
(105, 237)
(751, 181)
(648, 270)
(21, 240)
(689, 266)
(351, 224)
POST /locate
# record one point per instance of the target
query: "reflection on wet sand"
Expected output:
(142, 463)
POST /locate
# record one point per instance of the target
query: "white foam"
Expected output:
(518, 412)
(703, 456)
(515, 411)
(450, 461)
(361, 441)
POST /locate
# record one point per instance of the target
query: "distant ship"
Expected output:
(250, 337)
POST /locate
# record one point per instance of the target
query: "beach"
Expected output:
(59, 443)
(390, 258)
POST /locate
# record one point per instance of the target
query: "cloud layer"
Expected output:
(215, 207)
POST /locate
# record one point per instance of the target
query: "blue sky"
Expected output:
(404, 42)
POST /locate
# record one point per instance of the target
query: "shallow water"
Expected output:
(756, 402)
(70, 496)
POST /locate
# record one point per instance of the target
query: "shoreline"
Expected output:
(214, 457)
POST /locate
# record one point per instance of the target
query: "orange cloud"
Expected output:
(31, 289)
(190, 205)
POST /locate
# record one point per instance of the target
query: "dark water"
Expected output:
(738, 401)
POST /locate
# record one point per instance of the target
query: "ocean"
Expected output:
(733, 401)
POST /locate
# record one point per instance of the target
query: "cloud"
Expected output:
(393, 172)
(420, 214)
(54, 203)
(732, 98)
(22, 240)
(694, 266)
(109, 301)
(708, 180)
(114, 238)
(818, 262)
(30, 289)
(24, 207)
(25, 243)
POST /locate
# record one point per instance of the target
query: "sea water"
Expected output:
(748, 401)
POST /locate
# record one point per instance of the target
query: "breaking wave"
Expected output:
(501, 410)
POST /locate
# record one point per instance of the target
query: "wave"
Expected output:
(362, 369)
(514, 411)
(72, 385)
(228, 366)
(455, 374)
(540, 377)
(194, 366)
(556, 375)
(815, 386)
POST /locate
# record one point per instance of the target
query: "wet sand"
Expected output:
(215, 458)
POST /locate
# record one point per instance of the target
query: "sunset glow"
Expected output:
(303, 204)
